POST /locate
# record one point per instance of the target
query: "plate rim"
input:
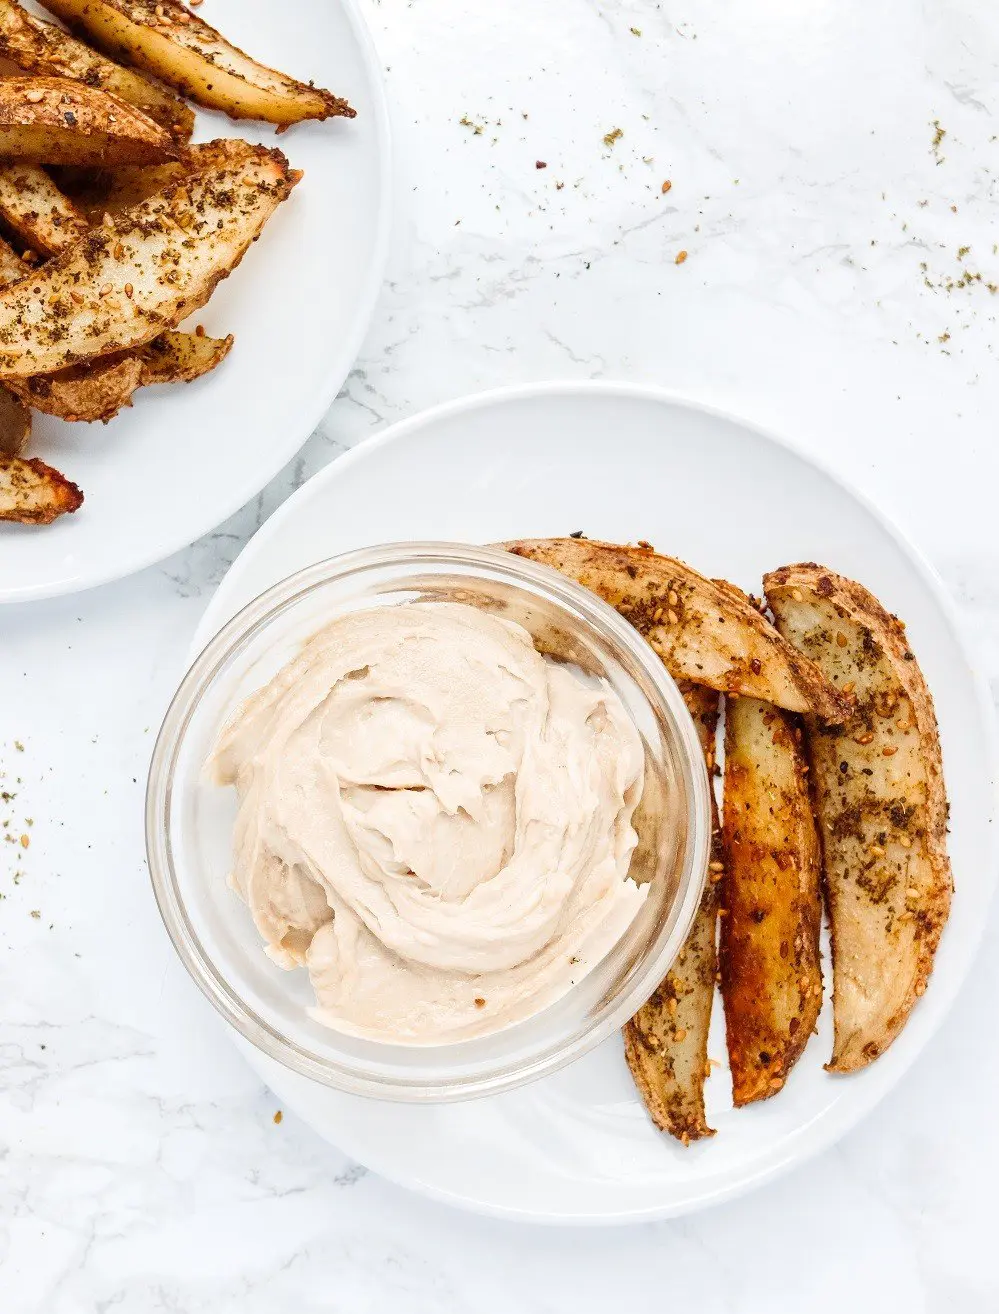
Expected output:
(81, 580)
(834, 1126)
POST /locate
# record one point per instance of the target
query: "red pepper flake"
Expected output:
(541, 164)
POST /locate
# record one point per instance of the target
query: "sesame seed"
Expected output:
(716, 866)
(33, 96)
(776, 1083)
(877, 850)
(199, 331)
(920, 987)
(77, 297)
(106, 290)
(681, 256)
(25, 841)
(796, 594)
(905, 842)
(901, 724)
(673, 598)
(673, 618)
(912, 892)
(681, 1034)
(119, 251)
(841, 639)
(657, 615)
(864, 739)
(849, 686)
(672, 1006)
(889, 752)
(666, 185)
(129, 290)
(480, 1002)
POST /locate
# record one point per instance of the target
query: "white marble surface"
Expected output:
(140, 1167)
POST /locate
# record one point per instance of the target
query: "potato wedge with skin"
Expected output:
(879, 792)
(56, 121)
(94, 391)
(45, 49)
(35, 210)
(666, 1042)
(32, 493)
(771, 974)
(181, 357)
(165, 38)
(135, 276)
(15, 424)
(704, 630)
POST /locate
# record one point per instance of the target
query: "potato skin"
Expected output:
(771, 976)
(879, 792)
(666, 1042)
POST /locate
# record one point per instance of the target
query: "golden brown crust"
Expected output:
(771, 977)
(94, 391)
(879, 792)
(32, 493)
(15, 424)
(44, 49)
(56, 121)
(704, 630)
(142, 272)
(165, 38)
(666, 1042)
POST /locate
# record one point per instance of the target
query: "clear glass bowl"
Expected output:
(189, 822)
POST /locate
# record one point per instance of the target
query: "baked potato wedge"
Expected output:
(666, 1042)
(771, 975)
(165, 38)
(704, 630)
(15, 424)
(45, 49)
(92, 391)
(181, 357)
(32, 493)
(34, 209)
(142, 272)
(879, 792)
(108, 191)
(57, 121)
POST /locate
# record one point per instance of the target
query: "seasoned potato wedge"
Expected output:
(704, 630)
(56, 121)
(32, 493)
(108, 191)
(35, 210)
(771, 977)
(44, 49)
(879, 791)
(15, 424)
(666, 1042)
(165, 38)
(181, 357)
(92, 391)
(142, 272)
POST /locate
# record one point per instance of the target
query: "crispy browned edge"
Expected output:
(658, 621)
(65, 497)
(168, 360)
(160, 15)
(89, 392)
(864, 608)
(769, 956)
(15, 424)
(666, 1042)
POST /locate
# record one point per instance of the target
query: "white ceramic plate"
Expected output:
(187, 456)
(623, 463)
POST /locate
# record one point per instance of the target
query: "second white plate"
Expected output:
(624, 463)
(186, 456)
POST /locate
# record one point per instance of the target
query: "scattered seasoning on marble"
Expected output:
(614, 135)
(541, 164)
(666, 186)
(278, 1118)
(36, 913)
(938, 135)
(636, 31)
(681, 257)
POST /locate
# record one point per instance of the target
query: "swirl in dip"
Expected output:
(434, 819)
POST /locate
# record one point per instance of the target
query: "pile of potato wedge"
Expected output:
(114, 228)
(833, 792)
